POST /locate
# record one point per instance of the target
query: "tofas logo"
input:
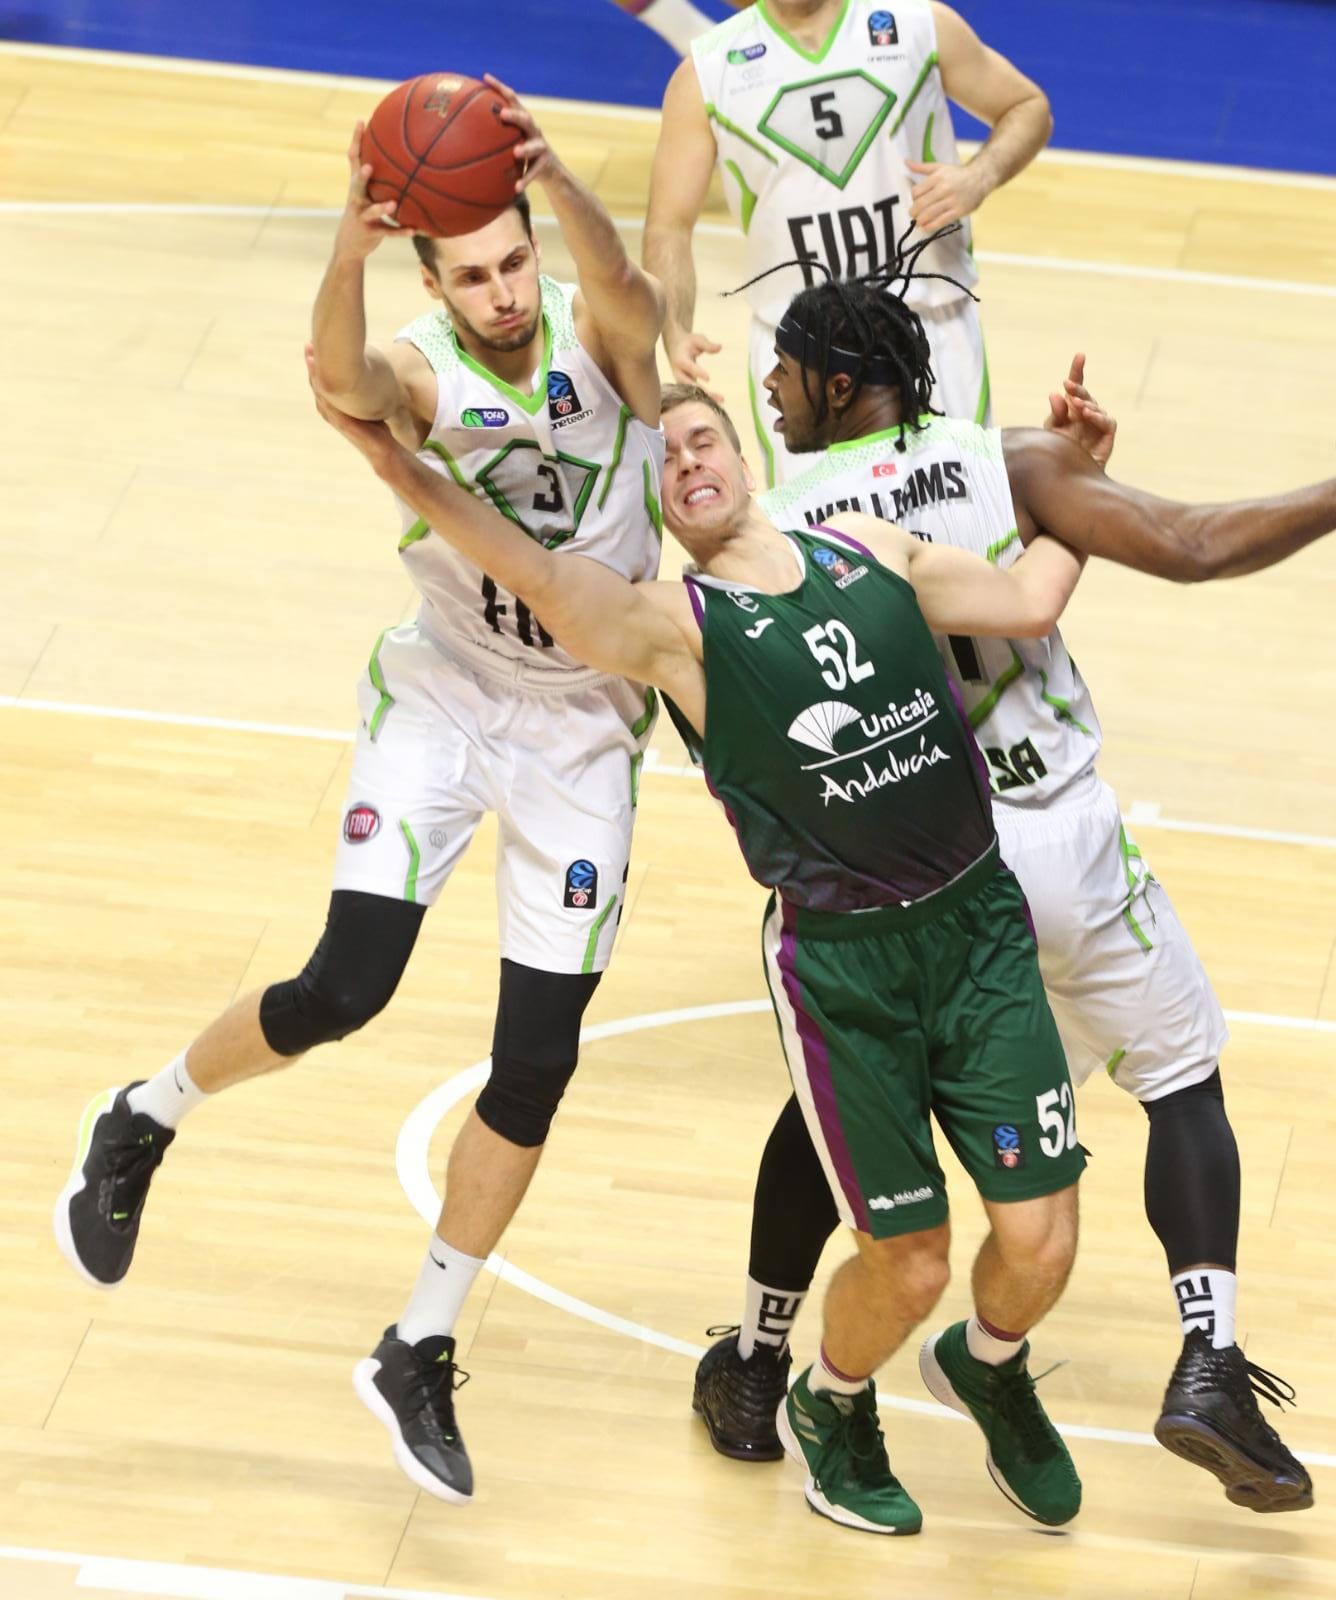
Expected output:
(751, 52)
(484, 417)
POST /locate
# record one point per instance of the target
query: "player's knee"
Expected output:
(915, 1268)
(317, 1008)
(1039, 1236)
(520, 1099)
(1204, 1099)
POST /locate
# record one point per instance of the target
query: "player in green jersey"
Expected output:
(849, 383)
(898, 951)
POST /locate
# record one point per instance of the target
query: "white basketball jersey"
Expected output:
(569, 463)
(1026, 702)
(812, 145)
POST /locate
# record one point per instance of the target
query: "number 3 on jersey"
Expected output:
(837, 650)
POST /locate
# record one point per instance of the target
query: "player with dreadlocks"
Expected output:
(850, 380)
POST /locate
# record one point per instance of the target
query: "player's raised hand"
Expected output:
(364, 223)
(684, 357)
(944, 193)
(533, 152)
(1075, 413)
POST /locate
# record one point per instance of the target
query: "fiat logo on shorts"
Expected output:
(361, 823)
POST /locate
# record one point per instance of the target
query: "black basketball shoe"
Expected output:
(411, 1389)
(97, 1213)
(1210, 1418)
(738, 1399)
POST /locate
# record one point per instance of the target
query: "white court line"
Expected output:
(121, 1576)
(412, 1163)
(1152, 165)
(1141, 814)
(718, 230)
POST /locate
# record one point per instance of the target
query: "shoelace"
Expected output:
(130, 1168)
(1269, 1386)
(722, 1330)
(433, 1391)
(1017, 1405)
(856, 1443)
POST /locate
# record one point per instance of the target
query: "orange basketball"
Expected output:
(438, 146)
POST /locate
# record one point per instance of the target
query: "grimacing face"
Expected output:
(706, 483)
(489, 283)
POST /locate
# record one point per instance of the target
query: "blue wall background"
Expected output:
(1248, 82)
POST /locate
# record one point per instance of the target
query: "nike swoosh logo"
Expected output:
(176, 1079)
(759, 629)
(440, 1264)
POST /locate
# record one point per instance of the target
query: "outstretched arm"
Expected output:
(589, 609)
(959, 592)
(1066, 494)
(624, 304)
(683, 162)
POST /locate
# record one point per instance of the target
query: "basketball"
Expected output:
(437, 146)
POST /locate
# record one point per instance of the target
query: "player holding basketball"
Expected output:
(850, 384)
(830, 127)
(897, 950)
(542, 398)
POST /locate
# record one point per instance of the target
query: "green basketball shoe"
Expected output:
(1026, 1458)
(837, 1439)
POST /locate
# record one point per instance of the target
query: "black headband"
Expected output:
(792, 338)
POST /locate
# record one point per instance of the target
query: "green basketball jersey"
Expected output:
(812, 144)
(833, 739)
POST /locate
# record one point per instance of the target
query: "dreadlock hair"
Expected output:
(880, 339)
(425, 245)
(683, 394)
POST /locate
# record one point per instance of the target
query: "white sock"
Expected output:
(677, 21)
(767, 1317)
(825, 1376)
(984, 1345)
(443, 1284)
(1206, 1298)
(169, 1095)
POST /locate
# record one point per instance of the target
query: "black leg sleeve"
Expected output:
(793, 1213)
(1192, 1176)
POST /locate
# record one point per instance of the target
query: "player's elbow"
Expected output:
(1043, 605)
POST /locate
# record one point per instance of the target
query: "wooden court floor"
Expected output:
(192, 572)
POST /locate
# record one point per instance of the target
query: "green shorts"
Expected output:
(891, 1016)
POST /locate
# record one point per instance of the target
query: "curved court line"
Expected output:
(412, 1163)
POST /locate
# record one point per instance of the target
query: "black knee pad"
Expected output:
(535, 1046)
(351, 975)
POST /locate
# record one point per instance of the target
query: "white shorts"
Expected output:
(959, 365)
(441, 742)
(1126, 987)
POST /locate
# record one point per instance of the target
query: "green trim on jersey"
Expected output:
(643, 721)
(414, 862)
(1130, 853)
(927, 138)
(1061, 706)
(591, 949)
(591, 471)
(985, 707)
(793, 44)
(715, 115)
(378, 684)
(451, 465)
(420, 529)
(619, 444)
(1111, 1065)
(767, 450)
(528, 403)
(913, 95)
(839, 179)
(747, 196)
(1005, 543)
(652, 506)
